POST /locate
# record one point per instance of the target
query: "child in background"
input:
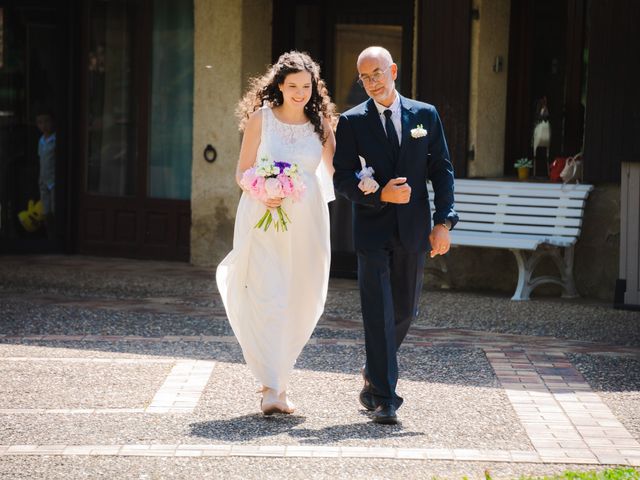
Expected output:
(47, 155)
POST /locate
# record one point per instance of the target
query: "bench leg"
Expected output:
(565, 265)
(527, 264)
(523, 289)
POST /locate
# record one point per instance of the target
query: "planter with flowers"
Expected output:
(523, 165)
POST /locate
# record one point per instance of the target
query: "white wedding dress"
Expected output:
(274, 283)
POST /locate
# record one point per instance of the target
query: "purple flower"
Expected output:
(282, 165)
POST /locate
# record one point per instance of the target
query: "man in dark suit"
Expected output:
(403, 141)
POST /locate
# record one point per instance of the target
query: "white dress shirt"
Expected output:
(395, 115)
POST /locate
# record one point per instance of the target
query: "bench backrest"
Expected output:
(524, 208)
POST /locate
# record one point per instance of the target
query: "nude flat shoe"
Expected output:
(270, 403)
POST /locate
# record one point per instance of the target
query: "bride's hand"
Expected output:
(273, 202)
(368, 185)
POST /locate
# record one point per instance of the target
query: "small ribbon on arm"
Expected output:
(365, 175)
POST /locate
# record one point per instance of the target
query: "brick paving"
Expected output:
(182, 388)
(564, 418)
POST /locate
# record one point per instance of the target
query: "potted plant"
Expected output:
(523, 165)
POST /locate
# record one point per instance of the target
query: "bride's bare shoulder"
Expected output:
(254, 122)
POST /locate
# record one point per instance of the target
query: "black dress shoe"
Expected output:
(366, 398)
(386, 415)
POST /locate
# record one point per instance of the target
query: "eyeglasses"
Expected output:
(375, 78)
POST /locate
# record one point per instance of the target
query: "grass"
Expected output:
(619, 473)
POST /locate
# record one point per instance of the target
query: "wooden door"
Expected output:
(444, 36)
(120, 211)
(334, 33)
(612, 123)
(546, 60)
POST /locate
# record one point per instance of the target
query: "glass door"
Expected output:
(171, 109)
(33, 118)
(111, 121)
(108, 199)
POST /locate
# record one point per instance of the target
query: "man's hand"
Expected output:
(440, 241)
(397, 190)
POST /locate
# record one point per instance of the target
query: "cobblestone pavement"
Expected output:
(115, 368)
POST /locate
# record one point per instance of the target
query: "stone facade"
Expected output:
(232, 43)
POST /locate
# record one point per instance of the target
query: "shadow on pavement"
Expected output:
(250, 427)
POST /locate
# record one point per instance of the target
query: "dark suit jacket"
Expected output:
(360, 132)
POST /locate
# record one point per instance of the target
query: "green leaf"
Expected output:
(269, 220)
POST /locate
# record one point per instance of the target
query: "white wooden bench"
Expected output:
(533, 220)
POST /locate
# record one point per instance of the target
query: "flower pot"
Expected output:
(523, 173)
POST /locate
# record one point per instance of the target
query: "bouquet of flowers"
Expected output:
(269, 179)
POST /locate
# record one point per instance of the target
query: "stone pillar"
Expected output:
(232, 40)
(488, 89)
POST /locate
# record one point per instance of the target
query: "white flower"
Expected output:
(418, 132)
(264, 167)
(290, 171)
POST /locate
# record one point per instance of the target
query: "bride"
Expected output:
(274, 282)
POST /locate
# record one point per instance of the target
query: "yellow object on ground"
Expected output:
(32, 218)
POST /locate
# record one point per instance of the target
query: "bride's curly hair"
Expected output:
(265, 89)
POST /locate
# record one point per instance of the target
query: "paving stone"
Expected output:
(134, 338)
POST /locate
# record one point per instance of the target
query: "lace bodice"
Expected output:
(289, 143)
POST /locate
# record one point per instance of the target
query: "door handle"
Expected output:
(210, 154)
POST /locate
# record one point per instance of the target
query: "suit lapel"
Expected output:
(408, 122)
(373, 118)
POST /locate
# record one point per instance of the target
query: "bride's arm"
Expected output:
(250, 144)
(329, 147)
(249, 152)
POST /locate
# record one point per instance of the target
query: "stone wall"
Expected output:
(232, 42)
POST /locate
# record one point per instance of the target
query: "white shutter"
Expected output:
(630, 231)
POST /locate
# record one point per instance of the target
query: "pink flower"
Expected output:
(253, 183)
(287, 185)
(257, 188)
(273, 188)
(248, 177)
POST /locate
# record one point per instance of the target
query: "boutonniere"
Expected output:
(418, 132)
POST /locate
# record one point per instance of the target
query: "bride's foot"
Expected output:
(272, 403)
(287, 404)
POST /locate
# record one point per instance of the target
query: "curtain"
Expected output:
(170, 148)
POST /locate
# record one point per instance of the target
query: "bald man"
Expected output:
(403, 141)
